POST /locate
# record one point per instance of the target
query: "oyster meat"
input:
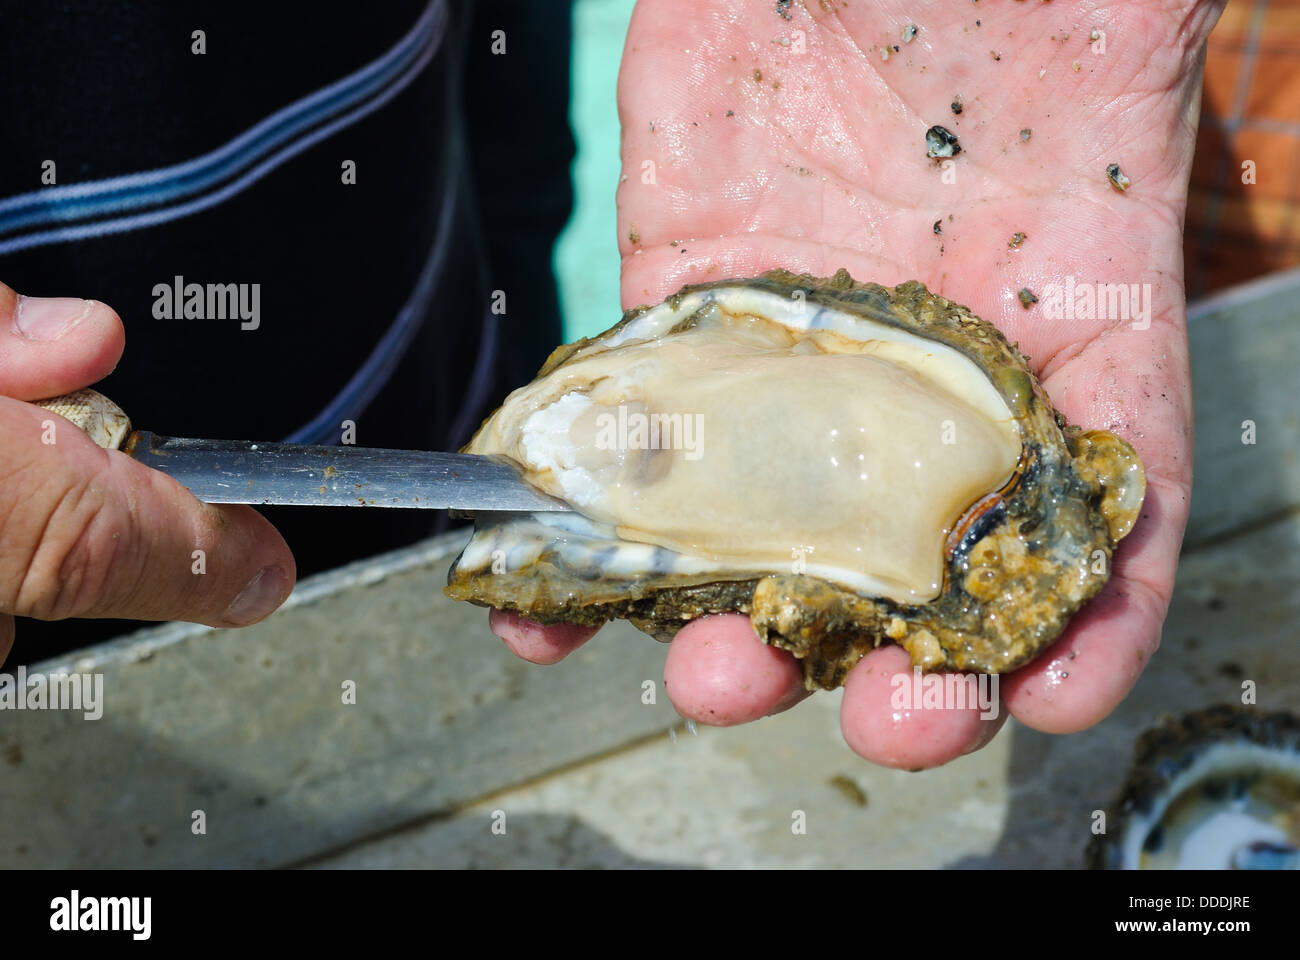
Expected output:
(1218, 789)
(845, 463)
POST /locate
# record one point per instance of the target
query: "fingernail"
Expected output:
(48, 318)
(988, 729)
(796, 696)
(263, 594)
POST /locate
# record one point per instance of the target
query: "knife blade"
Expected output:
(244, 471)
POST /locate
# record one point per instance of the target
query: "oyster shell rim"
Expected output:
(1057, 486)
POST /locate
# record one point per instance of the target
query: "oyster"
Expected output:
(1218, 789)
(844, 463)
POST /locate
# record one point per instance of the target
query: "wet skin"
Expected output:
(821, 164)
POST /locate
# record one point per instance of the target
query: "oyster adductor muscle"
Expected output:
(847, 464)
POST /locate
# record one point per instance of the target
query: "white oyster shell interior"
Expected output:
(1258, 803)
(774, 434)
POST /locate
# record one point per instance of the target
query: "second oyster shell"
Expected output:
(1217, 789)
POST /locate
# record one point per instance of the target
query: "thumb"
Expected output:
(87, 532)
(54, 345)
(6, 636)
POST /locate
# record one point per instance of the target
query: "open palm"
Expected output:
(752, 141)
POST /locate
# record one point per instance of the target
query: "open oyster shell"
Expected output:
(870, 465)
(1217, 789)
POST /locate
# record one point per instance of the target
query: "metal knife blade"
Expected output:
(241, 471)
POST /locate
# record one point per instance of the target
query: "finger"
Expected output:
(882, 722)
(54, 345)
(536, 642)
(6, 636)
(1082, 677)
(88, 532)
(719, 672)
(1085, 675)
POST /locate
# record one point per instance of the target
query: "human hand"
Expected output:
(764, 156)
(87, 532)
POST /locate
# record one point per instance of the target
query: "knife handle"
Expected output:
(103, 420)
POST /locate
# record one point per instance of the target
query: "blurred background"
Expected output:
(1235, 231)
(450, 737)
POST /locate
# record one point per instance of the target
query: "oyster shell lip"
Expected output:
(1179, 756)
(1039, 548)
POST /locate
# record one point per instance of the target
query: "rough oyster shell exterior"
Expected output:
(1017, 565)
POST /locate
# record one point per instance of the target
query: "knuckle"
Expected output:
(70, 562)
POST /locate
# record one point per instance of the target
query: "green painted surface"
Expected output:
(586, 256)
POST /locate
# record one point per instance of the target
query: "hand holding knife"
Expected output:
(242, 471)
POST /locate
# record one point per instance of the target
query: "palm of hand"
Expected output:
(750, 141)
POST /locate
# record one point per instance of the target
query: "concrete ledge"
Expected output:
(1244, 343)
(249, 726)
